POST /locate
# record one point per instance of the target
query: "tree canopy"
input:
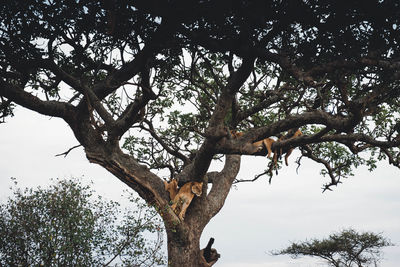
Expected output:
(152, 89)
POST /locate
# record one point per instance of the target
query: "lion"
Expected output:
(184, 197)
(267, 142)
(172, 188)
(291, 134)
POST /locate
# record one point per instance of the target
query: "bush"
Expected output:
(67, 225)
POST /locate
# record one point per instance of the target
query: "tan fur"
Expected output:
(296, 134)
(172, 188)
(267, 142)
(236, 134)
(184, 197)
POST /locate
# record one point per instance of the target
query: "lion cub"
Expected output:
(184, 197)
(172, 188)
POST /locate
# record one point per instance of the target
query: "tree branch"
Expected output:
(307, 151)
(27, 100)
(222, 184)
(135, 111)
(216, 129)
(252, 180)
(244, 144)
(340, 138)
(94, 101)
(273, 98)
(64, 76)
(67, 152)
(114, 80)
(175, 153)
(138, 177)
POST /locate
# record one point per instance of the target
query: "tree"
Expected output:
(346, 248)
(65, 225)
(152, 90)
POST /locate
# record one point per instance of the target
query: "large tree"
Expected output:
(155, 89)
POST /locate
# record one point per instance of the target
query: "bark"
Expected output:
(184, 238)
(184, 248)
(216, 129)
(190, 254)
(29, 101)
(136, 176)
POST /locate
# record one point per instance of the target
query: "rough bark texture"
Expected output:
(184, 249)
(184, 238)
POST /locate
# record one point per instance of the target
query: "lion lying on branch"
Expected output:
(267, 144)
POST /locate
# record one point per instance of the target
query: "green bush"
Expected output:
(67, 225)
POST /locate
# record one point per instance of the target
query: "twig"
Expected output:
(67, 152)
(252, 180)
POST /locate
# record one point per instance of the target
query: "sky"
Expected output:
(257, 217)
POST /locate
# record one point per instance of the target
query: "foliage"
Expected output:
(343, 249)
(327, 59)
(151, 89)
(67, 225)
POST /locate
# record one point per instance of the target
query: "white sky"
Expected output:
(257, 217)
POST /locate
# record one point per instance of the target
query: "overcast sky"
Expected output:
(257, 217)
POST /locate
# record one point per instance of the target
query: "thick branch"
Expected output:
(205, 154)
(243, 145)
(95, 102)
(149, 186)
(351, 65)
(27, 100)
(222, 184)
(64, 76)
(135, 111)
(340, 138)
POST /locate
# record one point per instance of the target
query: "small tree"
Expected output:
(64, 225)
(343, 249)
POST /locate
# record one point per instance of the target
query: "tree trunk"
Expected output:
(184, 240)
(184, 254)
(183, 236)
(184, 247)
